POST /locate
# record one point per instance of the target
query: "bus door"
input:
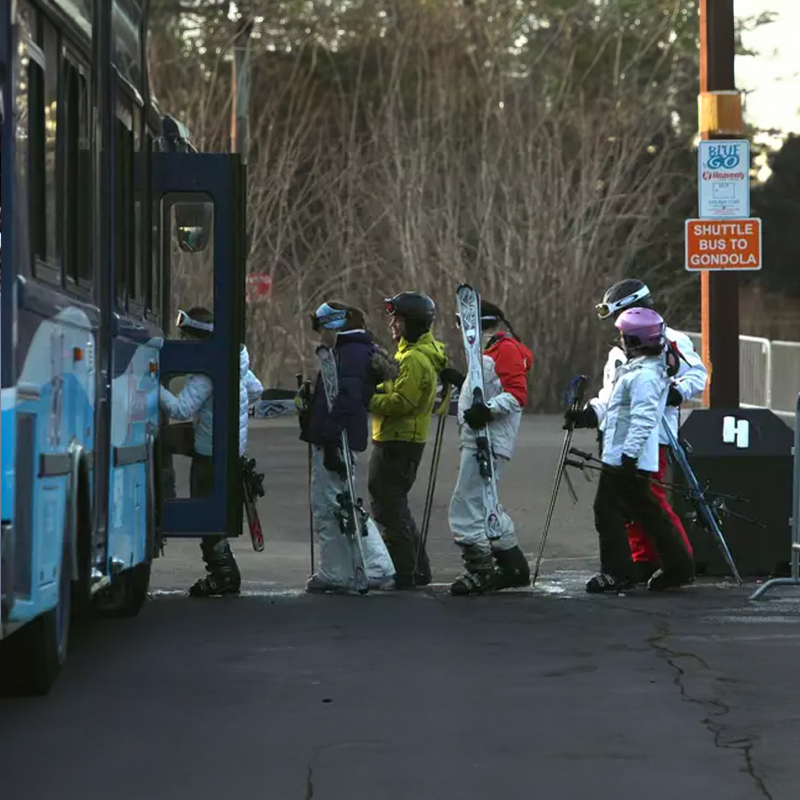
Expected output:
(202, 213)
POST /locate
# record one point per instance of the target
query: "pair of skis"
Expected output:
(468, 302)
(351, 514)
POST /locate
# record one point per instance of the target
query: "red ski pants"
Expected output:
(641, 545)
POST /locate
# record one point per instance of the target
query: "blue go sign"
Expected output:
(724, 156)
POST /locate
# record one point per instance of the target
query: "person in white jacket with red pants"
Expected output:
(499, 564)
(630, 458)
(689, 381)
(195, 403)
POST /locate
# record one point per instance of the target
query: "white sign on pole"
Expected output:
(723, 172)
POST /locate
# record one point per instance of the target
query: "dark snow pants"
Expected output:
(392, 472)
(622, 497)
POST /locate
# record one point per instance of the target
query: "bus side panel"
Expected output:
(55, 400)
(134, 414)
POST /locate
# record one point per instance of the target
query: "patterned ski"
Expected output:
(253, 489)
(468, 302)
(351, 514)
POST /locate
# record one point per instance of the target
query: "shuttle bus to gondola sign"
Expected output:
(723, 244)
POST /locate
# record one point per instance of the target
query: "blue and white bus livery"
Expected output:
(96, 188)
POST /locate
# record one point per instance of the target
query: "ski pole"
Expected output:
(306, 385)
(434, 471)
(705, 511)
(667, 485)
(573, 397)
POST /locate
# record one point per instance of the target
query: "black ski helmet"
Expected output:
(628, 293)
(417, 309)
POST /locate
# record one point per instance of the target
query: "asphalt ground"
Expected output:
(546, 693)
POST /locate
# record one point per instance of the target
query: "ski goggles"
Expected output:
(485, 318)
(183, 320)
(390, 305)
(329, 319)
(605, 310)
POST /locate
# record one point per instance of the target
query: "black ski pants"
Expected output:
(623, 497)
(216, 550)
(392, 472)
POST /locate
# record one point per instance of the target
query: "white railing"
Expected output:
(769, 373)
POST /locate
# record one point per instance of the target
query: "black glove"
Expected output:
(630, 465)
(674, 398)
(451, 377)
(583, 418)
(332, 460)
(478, 416)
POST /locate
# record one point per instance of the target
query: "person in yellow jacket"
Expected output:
(401, 415)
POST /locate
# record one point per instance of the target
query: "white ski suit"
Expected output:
(690, 380)
(195, 403)
(635, 408)
(506, 364)
(335, 569)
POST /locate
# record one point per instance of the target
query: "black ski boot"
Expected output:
(661, 580)
(223, 572)
(512, 569)
(479, 573)
(603, 583)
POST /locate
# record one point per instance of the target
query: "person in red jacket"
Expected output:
(499, 563)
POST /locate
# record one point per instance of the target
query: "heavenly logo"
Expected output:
(723, 157)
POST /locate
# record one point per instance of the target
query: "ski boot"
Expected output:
(479, 574)
(604, 583)
(644, 570)
(671, 579)
(317, 585)
(512, 569)
(223, 572)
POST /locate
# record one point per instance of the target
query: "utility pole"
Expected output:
(720, 107)
(240, 91)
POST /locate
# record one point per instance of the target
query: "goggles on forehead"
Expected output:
(329, 319)
(485, 318)
(183, 320)
(605, 310)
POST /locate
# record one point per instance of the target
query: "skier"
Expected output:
(195, 403)
(688, 382)
(361, 366)
(633, 415)
(401, 415)
(506, 365)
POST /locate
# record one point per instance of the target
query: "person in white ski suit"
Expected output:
(633, 415)
(361, 365)
(506, 365)
(688, 381)
(195, 404)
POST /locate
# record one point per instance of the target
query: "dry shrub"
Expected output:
(444, 168)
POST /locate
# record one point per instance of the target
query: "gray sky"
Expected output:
(772, 78)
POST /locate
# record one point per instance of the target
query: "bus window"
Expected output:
(136, 278)
(191, 271)
(123, 220)
(51, 56)
(33, 102)
(77, 177)
(188, 436)
(148, 212)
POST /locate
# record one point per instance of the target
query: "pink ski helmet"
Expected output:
(642, 331)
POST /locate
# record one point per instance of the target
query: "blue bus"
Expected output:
(103, 201)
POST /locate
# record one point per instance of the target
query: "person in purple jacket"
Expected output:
(362, 365)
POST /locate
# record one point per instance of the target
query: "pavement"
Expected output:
(544, 693)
